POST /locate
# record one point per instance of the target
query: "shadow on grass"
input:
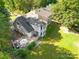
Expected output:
(53, 32)
(47, 51)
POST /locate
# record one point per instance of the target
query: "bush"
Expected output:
(31, 46)
(21, 53)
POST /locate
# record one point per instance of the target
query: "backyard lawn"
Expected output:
(57, 45)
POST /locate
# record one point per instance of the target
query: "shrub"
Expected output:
(21, 53)
(31, 46)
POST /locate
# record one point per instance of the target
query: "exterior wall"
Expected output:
(29, 34)
(41, 32)
(45, 21)
(36, 28)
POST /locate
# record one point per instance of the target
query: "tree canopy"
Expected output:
(66, 12)
(25, 5)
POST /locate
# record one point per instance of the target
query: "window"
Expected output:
(41, 27)
(41, 33)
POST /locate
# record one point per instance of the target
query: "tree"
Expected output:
(42, 3)
(25, 5)
(1, 3)
(3, 10)
(66, 12)
(9, 4)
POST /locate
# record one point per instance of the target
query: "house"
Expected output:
(31, 26)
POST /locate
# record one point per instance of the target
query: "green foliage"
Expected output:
(9, 4)
(75, 27)
(5, 34)
(66, 12)
(42, 3)
(5, 43)
(25, 5)
(21, 53)
(4, 55)
(31, 46)
(4, 12)
(1, 3)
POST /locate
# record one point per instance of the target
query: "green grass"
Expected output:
(59, 45)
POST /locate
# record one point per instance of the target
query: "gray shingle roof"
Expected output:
(23, 21)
